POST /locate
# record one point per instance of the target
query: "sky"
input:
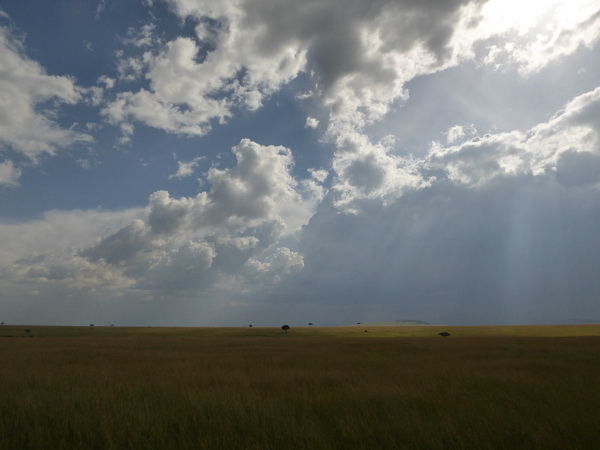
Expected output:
(202, 163)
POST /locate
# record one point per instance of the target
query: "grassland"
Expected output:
(313, 388)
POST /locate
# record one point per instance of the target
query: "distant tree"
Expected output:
(91, 325)
(1, 323)
(28, 332)
(357, 323)
(285, 328)
(444, 334)
(310, 324)
(250, 326)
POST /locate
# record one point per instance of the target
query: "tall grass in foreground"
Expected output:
(156, 392)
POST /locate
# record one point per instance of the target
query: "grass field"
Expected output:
(312, 388)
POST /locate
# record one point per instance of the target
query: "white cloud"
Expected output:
(43, 256)
(131, 68)
(107, 81)
(543, 31)
(9, 174)
(84, 163)
(359, 57)
(273, 265)
(29, 102)
(366, 171)
(58, 230)
(175, 244)
(572, 131)
(455, 133)
(100, 9)
(319, 175)
(186, 95)
(311, 122)
(186, 169)
(144, 37)
(359, 54)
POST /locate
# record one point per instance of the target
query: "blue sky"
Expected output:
(186, 162)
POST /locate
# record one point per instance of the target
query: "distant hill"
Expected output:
(395, 323)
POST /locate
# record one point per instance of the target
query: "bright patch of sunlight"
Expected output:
(542, 15)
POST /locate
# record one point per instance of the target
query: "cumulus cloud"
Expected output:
(367, 171)
(185, 95)
(30, 100)
(231, 235)
(185, 243)
(554, 147)
(359, 56)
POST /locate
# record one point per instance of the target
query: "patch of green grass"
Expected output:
(258, 388)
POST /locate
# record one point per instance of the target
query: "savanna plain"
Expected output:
(310, 388)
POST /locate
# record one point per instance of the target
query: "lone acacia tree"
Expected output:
(444, 334)
(285, 328)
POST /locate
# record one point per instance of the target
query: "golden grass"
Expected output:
(258, 388)
(360, 331)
